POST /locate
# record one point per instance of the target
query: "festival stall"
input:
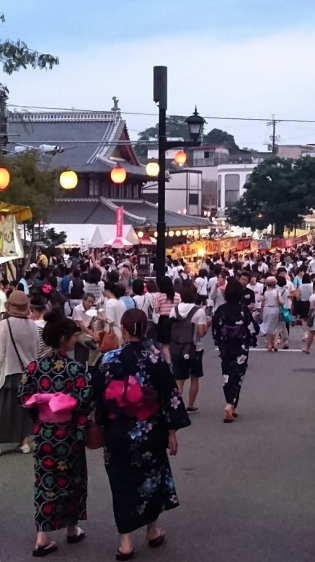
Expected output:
(11, 247)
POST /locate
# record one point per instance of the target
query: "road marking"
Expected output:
(282, 350)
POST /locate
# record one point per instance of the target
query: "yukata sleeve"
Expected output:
(216, 332)
(81, 385)
(28, 385)
(172, 407)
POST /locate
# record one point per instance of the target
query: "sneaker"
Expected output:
(192, 410)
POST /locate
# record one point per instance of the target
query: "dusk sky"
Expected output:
(245, 58)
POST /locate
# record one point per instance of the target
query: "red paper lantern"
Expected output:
(4, 178)
(180, 157)
(118, 174)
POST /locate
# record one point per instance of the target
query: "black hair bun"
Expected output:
(54, 316)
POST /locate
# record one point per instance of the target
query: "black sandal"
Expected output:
(79, 536)
(155, 543)
(122, 556)
(40, 551)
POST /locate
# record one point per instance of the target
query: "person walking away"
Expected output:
(140, 297)
(38, 310)
(310, 323)
(201, 284)
(60, 490)
(114, 309)
(186, 348)
(65, 282)
(125, 277)
(283, 291)
(76, 289)
(140, 408)
(304, 293)
(94, 285)
(163, 304)
(233, 332)
(297, 281)
(19, 345)
(87, 336)
(270, 313)
(215, 270)
(153, 317)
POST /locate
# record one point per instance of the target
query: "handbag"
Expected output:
(15, 348)
(108, 341)
(285, 315)
(94, 436)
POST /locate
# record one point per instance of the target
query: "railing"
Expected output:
(216, 161)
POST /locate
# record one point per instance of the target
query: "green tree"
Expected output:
(52, 238)
(175, 128)
(217, 136)
(279, 192)
(15, 55)
(33, 183)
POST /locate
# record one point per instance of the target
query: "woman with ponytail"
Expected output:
(58, 392)
(140, 408)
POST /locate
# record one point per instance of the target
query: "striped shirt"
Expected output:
(95, 289)
(163, 306)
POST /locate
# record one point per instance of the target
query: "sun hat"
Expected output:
(17, 305)
(271, 280)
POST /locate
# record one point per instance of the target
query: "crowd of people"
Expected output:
(143, 341)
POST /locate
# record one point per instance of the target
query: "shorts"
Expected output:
(303, 308)
(185, 368)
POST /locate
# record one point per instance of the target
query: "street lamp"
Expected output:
(195, 124)
(152, 169)
(118, 174)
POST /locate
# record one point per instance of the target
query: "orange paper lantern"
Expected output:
(4, 178)
(180, 157)
(118, 174)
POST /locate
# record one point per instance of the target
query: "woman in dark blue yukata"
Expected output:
(140, 407)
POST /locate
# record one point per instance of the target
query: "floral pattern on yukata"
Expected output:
(60, 488)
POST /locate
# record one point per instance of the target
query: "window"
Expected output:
(206, 154)
(113, 191)
(129, 191)
(232, 188)
(193, 199)
(136, 191)
(106, 190)
(93, 188)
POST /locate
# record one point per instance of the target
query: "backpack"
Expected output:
(182, 344)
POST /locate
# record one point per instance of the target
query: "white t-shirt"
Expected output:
(311, 266)
(115, 308)
(199, 319)
(258, 289)
(290, 289)
(3, 300)
(80, 315)
(142, 302)
(202, 283)
(211, 283)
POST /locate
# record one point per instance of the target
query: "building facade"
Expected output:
(231, 181)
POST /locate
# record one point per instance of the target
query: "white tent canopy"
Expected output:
(105, 232)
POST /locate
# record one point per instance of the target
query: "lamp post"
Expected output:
(195, 124)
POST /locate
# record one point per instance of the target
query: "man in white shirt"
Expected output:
(88, 336)
(311, 265)
(258, 289)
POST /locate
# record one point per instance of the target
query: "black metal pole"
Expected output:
(161, 225)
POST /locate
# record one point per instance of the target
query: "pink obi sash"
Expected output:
(54, 408)
(129, 396)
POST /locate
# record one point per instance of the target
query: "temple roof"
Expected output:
(103, 211)
(90, 140)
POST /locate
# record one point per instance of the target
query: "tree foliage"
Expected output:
(279, 192)
(217, 136)
(177, 128)
(15, 55)
(52, 238)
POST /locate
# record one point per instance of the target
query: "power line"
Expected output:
(223, 118)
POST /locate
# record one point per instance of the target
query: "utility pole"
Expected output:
(274, 138)
(195, 124)
(3, 121)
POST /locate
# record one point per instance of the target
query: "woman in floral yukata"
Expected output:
(140, 407)
(233, 331)
(59, 392)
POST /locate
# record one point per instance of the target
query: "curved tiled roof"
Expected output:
(88, 138)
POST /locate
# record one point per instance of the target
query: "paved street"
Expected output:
(246, 489)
